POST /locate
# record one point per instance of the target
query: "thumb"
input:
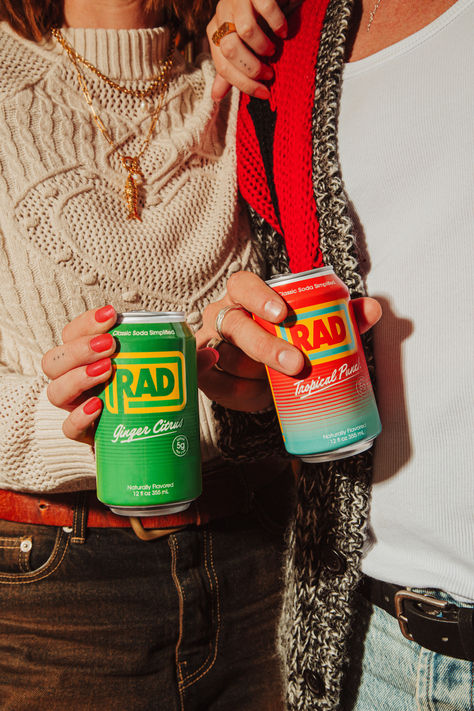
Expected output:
(367, 312)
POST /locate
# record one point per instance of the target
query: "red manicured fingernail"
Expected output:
(211, 356)
(207, 357)
(95, 369)
(261, 93)
(103, 314)
(270, 51)
(92, 406)
(102, 343)
(266, 73)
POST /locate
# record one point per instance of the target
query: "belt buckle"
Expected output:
(405, 594)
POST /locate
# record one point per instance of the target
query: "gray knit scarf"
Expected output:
(327, 531)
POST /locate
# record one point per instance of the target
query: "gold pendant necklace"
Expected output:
(132, 166)
(372, 14)
(159, 83)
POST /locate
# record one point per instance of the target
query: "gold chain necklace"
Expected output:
(74, 55)
(372, 14)
(130, 163)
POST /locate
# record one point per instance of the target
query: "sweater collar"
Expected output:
(122, 54)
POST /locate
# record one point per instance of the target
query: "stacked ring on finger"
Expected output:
(220, 318)
(216, 341)
(225, 29)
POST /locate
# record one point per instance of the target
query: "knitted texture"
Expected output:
(66, 245)
(288, 203)
(327, 532)
(337, 239)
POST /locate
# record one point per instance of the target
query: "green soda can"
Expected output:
(147, 440)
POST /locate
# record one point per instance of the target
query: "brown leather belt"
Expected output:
(432, 623)
(225, 492)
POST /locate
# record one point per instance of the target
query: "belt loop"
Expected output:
(80, 518)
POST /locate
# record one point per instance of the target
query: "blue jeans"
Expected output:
(391, 673)
(183, 623)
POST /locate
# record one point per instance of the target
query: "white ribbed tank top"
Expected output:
(406, 143)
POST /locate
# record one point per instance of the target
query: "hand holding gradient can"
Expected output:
(329, 411)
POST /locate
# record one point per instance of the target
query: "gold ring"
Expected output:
(225, 29)
(220, 318)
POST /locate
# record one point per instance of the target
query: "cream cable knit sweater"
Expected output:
(66, 245)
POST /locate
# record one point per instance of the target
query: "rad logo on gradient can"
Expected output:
(323, 332)
(329, 412)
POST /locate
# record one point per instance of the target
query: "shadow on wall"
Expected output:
(393, 446)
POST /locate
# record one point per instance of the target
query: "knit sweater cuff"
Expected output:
(70, 464)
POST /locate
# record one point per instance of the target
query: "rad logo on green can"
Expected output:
(147, 383)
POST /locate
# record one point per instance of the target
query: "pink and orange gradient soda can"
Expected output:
(328, 411)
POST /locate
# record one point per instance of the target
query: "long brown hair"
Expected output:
(34, 19)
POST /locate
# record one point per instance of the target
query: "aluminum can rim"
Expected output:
(151, 316)
(289, 276)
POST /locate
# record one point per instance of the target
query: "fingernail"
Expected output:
(103, 314)
(95, 369)
(215, 353)
(102, 343)
(267, 73)
(270, 51)
(290, 361)
(92, 406)
(273, 310)
(261, 93)
(282, 31)
(211, 356)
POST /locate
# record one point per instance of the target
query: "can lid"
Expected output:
(151, 317)
(289, 276)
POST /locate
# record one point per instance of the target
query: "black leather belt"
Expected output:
(432, 623)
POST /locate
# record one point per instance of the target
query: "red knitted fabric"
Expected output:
(292, 95)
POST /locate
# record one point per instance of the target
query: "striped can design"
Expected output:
(328, 411)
